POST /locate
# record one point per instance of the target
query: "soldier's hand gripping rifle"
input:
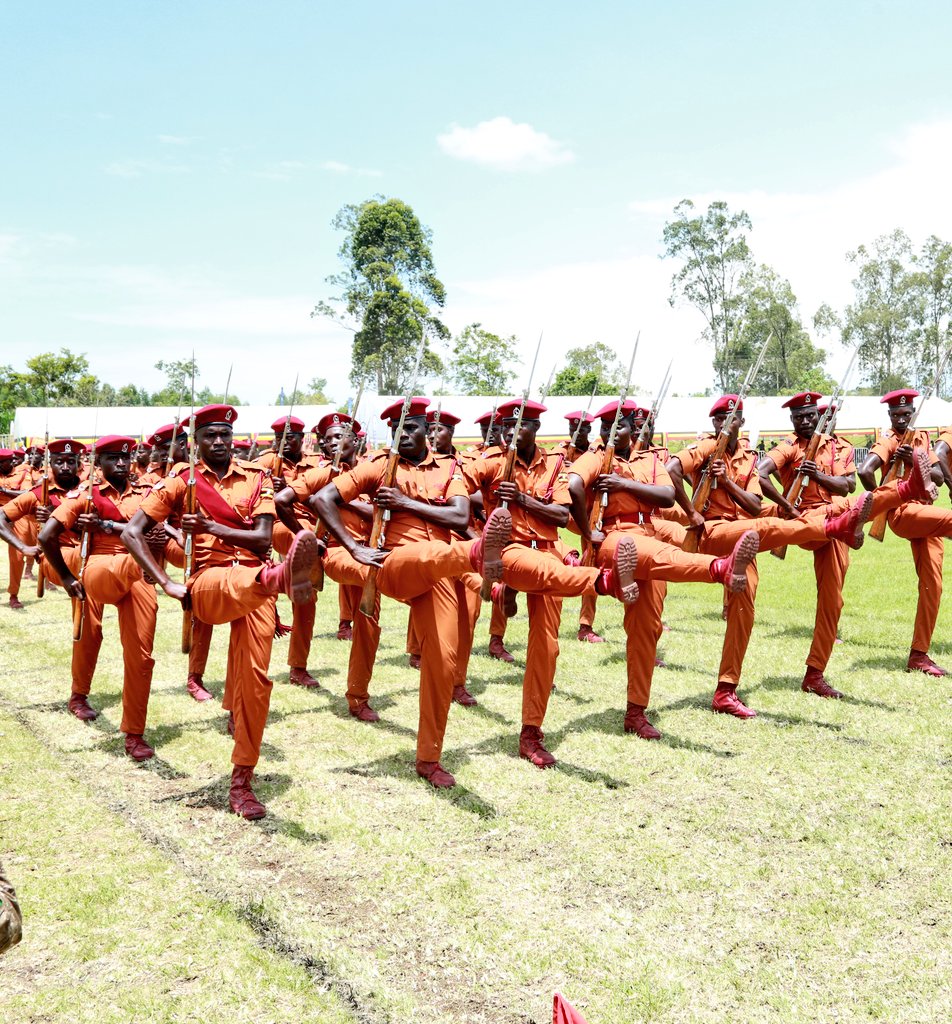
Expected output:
(190, 505)
(878, 530)
(44, 500)
(824, 427)
(597, 512)
(378, 531)
(647, 428)
(702, 495)
(509, 468)
(79, 603)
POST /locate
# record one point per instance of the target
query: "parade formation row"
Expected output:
(442, 530)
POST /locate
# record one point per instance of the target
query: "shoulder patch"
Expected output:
(158, 485)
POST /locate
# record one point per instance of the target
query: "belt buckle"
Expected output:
(534, 545)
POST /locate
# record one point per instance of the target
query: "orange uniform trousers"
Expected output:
(85, 652)
(471, 584)
(302, 621)
(658, 564)
(718, 538)
(924, 526)
(26, 530)
(117, 579)
(545, 580)
(233, 594)
(417, 574)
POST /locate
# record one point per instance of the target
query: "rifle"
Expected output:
(44, 500)
(647, 428)
(597, 510)
(578, 426)
(896, 469)
(189, 510)
(227, 384)
(378, 531)
(509, 468)
(825, 426)
(278, 468)
(79, 604)
(489, 430)
(702, 493)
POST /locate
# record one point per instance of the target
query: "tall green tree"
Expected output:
(388, 291)
(587, 367)
(792, 362)
(482, 362)
(887, 316)
(714, 255)
(933, 279)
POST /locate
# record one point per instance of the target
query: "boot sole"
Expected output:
(302, 557)
(496, 535)
(626, 564)
(744, 554)
(922, 470)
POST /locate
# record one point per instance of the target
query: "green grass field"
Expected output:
(792, 868)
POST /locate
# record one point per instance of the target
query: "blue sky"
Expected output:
(170, 170)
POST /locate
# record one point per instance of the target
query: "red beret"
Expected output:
(335, 419)
(7, 453)
(215, 414)
(66, 446)
(295, 425)
(725, 404)
(361, 433)
(803, 400)
(417, 408)
(899, 399)
(164, 434)
(243, 443)
(510, 410)
(607, 412)
(19, 451)
(445, 417)
(115, 444)
(486, 416)
(579, 416)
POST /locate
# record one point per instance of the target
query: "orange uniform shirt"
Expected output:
(886, 447)
(741, 469)
(127, 503)
(544, 479)
(27, 504)
(433, 481)
(243, 487)
(314, 479)
(291, 471)
(833, 457)
(642, 467)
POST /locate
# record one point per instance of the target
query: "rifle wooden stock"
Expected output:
(597, 511)
(796, 488)
(189, 546)
(79, 607)
(44, 500)
(368, 597)
(702, 494)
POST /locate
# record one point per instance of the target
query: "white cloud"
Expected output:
(505, 145)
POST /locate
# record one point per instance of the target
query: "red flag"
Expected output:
(563, 1012)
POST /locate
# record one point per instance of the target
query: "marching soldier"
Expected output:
(11, 486)
(231, 579)
(293, 464)
(636, 486)
(917, 521)
(64, 468)
(110, 576)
